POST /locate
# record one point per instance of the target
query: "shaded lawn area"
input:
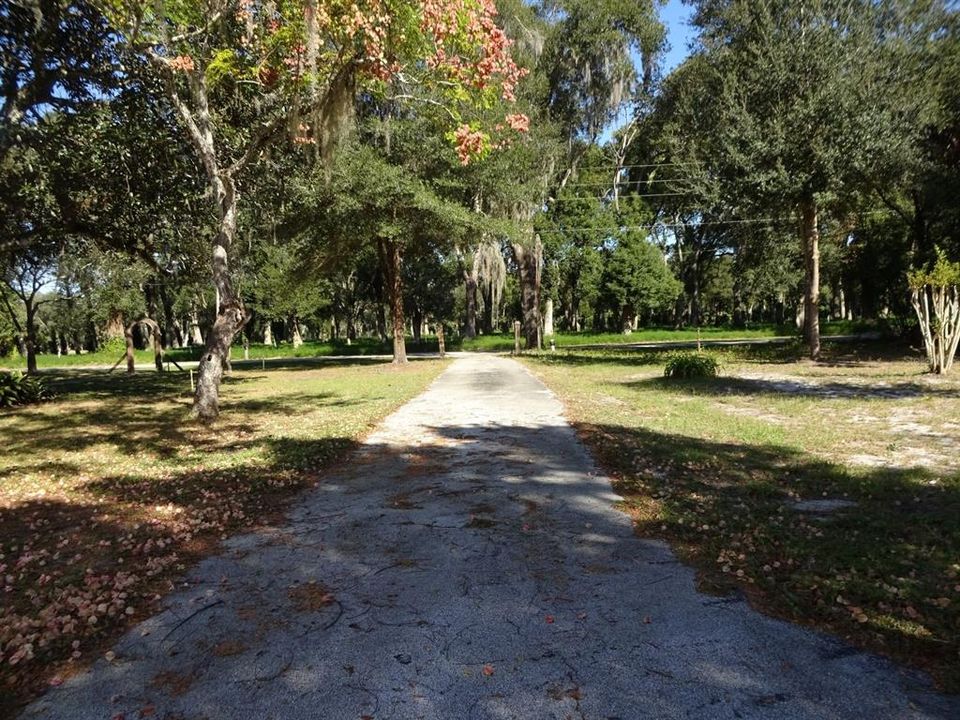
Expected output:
(310, 349)
(108, 493)
(715, 466)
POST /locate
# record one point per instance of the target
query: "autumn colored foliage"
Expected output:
(452, 49)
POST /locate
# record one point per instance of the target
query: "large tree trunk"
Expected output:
(115, 326)
(486, 323)
(31, 338)
(417, 324)
(230, 318)
(470, 288)
(391, 264)
(627, 315)
(171, 327)
(811, 256)
(195, 337)
(528, 264)
(295, 337)
(548, 318)
(131, 358)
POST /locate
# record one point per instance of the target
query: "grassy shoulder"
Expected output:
(718, 468)
(109, 493)
(503, 343)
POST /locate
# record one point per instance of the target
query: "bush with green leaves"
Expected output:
(19, 389)
(691, 365)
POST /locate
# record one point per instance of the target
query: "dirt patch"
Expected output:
(228, 648)
(173, 683)
(751, 412)
(480, 522)
(401, 501)
(311, 597)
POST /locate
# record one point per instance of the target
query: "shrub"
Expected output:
(690, 365)
(935, 295)
(19, 389)
(114, 346)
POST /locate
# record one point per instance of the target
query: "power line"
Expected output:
(629, 183)
(640, 165)
(621, 198)
(655, 226)
(658, 225)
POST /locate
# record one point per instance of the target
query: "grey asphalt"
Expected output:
(467, 563)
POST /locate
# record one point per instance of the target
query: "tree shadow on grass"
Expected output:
(152, 528)
(100, 384)
(739, 491)
(157, 427)
(304, 363)
(858, 354)
(287, 403)
(797, 387)
(728, 507)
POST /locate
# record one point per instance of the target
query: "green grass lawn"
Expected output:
(715, 465)
(483, 343)
(504, 343)
(362, 346)
(108, 492)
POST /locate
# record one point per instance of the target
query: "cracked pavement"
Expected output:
(468, 562)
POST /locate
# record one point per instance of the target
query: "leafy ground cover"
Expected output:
(108, 493)
(718, 467)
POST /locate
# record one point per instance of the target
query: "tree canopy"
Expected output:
(384, 167)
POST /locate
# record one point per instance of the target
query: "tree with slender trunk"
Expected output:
(292, 69)
(390, 260)
(27, 271)
(492, 276)
(800, 105)
(935, 295)
(470, 285)
(810, 241)
(529, 258)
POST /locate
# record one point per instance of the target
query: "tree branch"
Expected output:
(264, 136)
(892, 205)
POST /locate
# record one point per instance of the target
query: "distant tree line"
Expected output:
(795, 167)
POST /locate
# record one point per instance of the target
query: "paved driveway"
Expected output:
(468, 563)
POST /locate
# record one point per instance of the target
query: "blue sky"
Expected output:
(676, 16)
